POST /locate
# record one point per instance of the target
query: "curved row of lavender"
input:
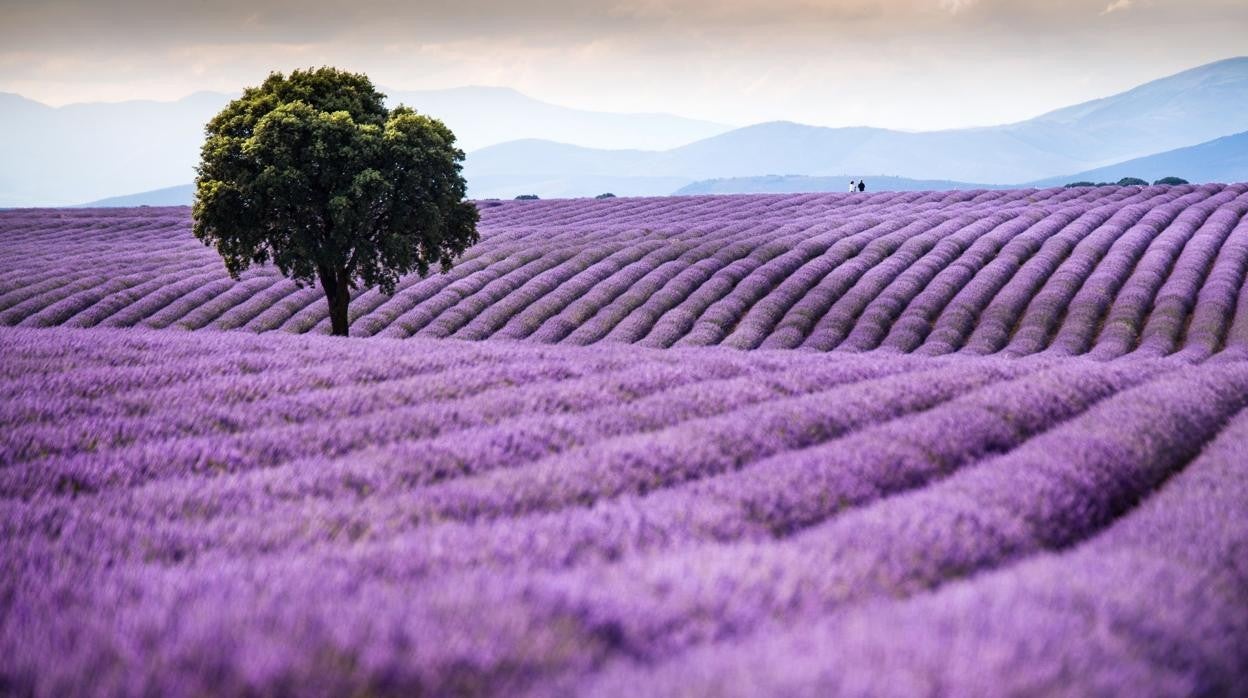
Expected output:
(1105, 271)
(226, 513)
(1021, 472)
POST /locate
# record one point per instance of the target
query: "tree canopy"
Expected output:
(313, 173)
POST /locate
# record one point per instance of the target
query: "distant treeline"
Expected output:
(535, 197)
(1128, 181)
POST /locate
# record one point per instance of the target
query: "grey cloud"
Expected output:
(86, 23)
(916, 62)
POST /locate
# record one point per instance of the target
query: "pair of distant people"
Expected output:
(857, 186)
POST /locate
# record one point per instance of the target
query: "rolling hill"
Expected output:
(80, 152)
(773, 271)
(85, 152)
(180, 195)
(482, 116)
(778, 147)
(964, 443)
(795, 184)
(1181, 110)
(1220, 160)
(1191, 107)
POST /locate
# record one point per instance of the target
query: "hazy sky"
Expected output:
(916, 64)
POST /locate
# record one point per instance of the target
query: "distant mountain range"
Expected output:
(181, 195)
(796, 184)
(85, 152)
(1220, 160)
(482, 116)
(1181, 110)
(65, 155)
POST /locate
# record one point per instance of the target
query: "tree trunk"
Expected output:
(338, 293)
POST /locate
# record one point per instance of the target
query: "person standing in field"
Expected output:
(862, 186)
(853, 187)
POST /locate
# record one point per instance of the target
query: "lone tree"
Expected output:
(313, 173)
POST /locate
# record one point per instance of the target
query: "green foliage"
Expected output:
(527, 197)
(1132, 181)
(1171, 180)
(1081, 184)
(314, 174)
(607, 195)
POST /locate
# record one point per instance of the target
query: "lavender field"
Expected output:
(932, 443)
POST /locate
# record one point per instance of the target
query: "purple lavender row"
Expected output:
(777, 495)
(271, 445)
(1007, 307)
(504, 633)
(798, 285)
(629, 317)
(843, 315)
(484, 298)
(113, 310)
(325, 404)
(588, 318)
(839, 285)
(1162, 588)
(22, 290)
(904, 312)
(1210, 329)
(1129, 310)
(796, 329)
(97, 393)
(1053, 492)
(721, 316)
(413, 290)
(965, 312)
(1168, 322)
(694, 450)
(1092, 301)
(917, 319)
(135, 422)
(120, 369)
(424, 306)
(761, 298)
(614, 600)
(385, 474)
(538, 313)
(676, 308)
(572, 211)
(1046, 310)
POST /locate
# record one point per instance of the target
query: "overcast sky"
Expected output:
(916, 64)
